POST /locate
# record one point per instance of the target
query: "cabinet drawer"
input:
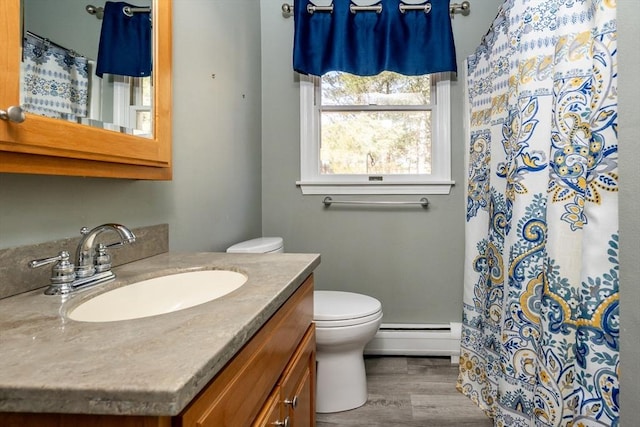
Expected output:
(235, 397)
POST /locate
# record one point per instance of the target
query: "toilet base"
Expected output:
(341, 382)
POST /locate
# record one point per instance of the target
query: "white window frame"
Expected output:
(121, 100)
(312, 182)
(124, 111)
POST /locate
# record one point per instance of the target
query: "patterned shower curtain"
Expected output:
(541, 320)
(55, 81)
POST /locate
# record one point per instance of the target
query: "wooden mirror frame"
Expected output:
(42, 145)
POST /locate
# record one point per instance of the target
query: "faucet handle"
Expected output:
(62, 273)
(102, 258)
(62, 257)
(114, 245)
(44, 261)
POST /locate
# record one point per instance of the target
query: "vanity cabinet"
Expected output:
(42, 145)
(269, 382)
(261, 383)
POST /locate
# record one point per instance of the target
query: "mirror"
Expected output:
(35, 144)
(58, 72)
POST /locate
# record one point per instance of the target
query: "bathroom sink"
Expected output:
(159, 295)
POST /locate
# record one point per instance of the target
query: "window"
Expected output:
(132, 104)
(386, 134)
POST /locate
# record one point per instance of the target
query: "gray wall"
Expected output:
(214, 198)
(410, 259)
(65, 22)
(629, 121)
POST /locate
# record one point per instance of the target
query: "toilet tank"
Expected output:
(261, 245)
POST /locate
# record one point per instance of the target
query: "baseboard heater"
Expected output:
(395, 339)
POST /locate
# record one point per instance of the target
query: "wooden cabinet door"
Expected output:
(298, 384)
(271, 414)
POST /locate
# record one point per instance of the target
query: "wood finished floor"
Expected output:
(410, 392)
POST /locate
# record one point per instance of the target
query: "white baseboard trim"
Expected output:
(395, 339)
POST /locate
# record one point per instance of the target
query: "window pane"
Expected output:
(386, 88)
(380, 142)
(147, 91)
(141, 91)
(143, 121)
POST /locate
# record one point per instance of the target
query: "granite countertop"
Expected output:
(149, 366)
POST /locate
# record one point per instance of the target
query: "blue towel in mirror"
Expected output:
(125, 42)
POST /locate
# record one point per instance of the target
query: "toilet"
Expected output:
(345, 323)
(261, 245)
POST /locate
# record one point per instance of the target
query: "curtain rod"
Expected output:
(127, 10)
(48, 43)
(463, 8)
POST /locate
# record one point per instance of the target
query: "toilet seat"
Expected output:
(326, 324)
(261, 245)
(333, 309)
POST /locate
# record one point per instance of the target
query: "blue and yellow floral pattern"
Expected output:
(540, 338)
(55, 81)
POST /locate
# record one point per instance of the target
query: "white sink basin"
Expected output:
(159, 295)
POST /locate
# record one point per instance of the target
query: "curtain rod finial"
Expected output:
(287, 8)
(464, 7)
(93, 10)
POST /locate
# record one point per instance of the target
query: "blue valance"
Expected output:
(365, 43)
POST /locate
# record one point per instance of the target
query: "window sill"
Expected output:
(316, 188)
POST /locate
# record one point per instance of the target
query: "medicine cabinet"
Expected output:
(52, 146)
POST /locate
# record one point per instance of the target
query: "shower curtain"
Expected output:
(540, 317)
(55, 82)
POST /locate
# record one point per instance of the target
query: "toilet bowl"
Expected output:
(345, 323)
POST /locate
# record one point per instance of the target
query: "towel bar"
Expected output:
(328, 201)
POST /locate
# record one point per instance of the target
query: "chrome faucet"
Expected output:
(86, 252)
(93, 262)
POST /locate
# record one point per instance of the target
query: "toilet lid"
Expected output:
(260, 245)
(337, 305)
